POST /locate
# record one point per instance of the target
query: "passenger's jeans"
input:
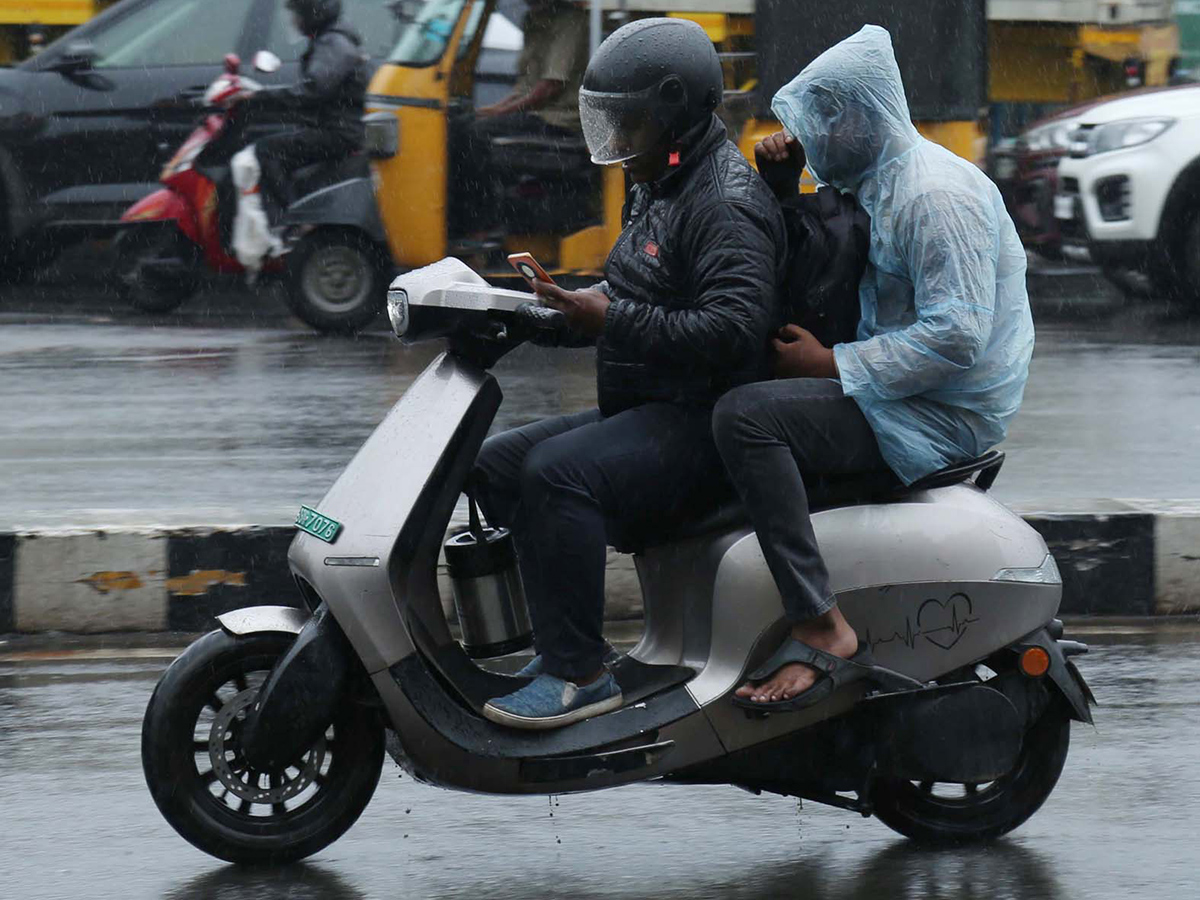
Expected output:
(564, 484)
(772, 435)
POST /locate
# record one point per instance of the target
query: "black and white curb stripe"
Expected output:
(1116, 558)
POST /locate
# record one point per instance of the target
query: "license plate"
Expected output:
(317, 525)
(1064, 206)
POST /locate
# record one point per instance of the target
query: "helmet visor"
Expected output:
(618, 127)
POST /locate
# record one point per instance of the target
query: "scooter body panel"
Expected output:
(391, 502)
(350, 204)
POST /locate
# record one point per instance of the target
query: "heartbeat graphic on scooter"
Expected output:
(942, 623)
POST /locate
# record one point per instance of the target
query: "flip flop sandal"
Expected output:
(833, 673)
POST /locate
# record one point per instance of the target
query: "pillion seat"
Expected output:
(827, 493)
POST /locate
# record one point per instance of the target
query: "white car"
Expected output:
(1129, 191)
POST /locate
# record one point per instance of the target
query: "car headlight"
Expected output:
(397, 308)
(1127, 133)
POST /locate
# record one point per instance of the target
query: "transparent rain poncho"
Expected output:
(943, 350)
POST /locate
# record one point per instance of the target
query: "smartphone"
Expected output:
(529, 268)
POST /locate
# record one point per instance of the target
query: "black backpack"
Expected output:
(828, 238)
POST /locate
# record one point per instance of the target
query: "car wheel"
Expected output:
(1130, 282)
(337, 280)
(1184, 265)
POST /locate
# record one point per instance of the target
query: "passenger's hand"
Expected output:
(798, 354)
(780, 160)
(585, 310)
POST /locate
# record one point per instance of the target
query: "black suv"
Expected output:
(86, 126)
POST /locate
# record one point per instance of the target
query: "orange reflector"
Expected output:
(1035, 662)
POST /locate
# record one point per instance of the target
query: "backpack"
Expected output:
(828, 238)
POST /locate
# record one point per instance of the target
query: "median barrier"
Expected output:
(1117, 558)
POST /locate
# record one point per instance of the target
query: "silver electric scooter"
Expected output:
(264, 740)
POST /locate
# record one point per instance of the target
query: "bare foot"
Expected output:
(831, 633)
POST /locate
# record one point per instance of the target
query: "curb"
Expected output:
(1125, 558)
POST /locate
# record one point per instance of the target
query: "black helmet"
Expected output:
(314, 15)
(650, 78)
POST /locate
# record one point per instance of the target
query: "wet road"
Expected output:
(228, 414)
(78, 822)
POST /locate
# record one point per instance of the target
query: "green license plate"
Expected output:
(317, 525)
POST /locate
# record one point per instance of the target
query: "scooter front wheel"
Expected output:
(941, 814)
(156, 268)
(202, 784)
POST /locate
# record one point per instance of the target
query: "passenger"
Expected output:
(684, 313)
(326, 105)
(935, 376)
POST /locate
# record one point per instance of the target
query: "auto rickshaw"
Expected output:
(574, 209)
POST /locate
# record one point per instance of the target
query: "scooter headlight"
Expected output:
(397, 307)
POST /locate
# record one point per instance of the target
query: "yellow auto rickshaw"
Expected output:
(427, 84)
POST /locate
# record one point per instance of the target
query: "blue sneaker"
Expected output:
(549, 702)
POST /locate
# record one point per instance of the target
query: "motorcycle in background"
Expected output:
(173, 241)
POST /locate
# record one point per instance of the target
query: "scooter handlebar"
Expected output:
(540, 318)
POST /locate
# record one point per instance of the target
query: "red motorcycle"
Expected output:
(172, 242)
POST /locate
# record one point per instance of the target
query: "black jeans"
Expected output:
(772, 435)
(563, 484)
(279, 155)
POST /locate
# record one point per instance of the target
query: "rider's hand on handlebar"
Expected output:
(585, 310)
(798, 354)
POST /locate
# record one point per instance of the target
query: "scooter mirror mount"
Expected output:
(266, 61)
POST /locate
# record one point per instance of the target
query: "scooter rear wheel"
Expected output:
(933, 813)
(201, 783)
(337, 280)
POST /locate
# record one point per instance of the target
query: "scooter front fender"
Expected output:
(164, 205)
(300, 696)
(263, 619)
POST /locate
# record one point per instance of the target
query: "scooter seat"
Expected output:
(309, 179)
(826, 493)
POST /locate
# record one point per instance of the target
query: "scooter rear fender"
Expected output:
(1063, 673)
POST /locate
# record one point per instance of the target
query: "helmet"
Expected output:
(315, 14)
(651, 78)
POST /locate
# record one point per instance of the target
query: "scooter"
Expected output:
(263, 741)
(336, 273)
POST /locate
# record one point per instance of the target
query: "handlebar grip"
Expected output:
(541, 318)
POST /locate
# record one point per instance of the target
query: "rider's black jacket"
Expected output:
(331, 92)
(694, 281)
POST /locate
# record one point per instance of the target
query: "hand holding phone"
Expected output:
(528, 268)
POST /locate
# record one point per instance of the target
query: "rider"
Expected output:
(939, 366)
(326, 103)
(683, 314)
